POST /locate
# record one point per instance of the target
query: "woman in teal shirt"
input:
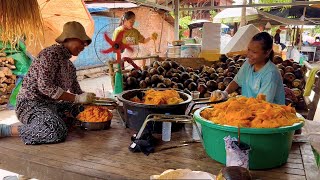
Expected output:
(258, 75)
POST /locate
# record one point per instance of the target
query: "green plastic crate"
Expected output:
(270, 147)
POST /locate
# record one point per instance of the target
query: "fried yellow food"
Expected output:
(153, 97)
(251, 112)
(95, 114)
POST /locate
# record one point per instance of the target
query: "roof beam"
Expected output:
(296, 3)
(151, 4)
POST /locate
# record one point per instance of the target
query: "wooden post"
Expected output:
(243, 21)
(111, 73)
(176, 19)
(301, 31)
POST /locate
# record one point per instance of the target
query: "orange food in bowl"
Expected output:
(95, 114)
(251, 112)
(155, 97)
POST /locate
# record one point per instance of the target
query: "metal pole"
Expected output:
(176, 19)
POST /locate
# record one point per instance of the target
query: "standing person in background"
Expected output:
(277, 39)
(258, 74)
(316, 41)
(131, 35)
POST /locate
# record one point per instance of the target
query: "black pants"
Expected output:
(43, 122)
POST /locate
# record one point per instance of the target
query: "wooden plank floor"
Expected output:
(105, 155)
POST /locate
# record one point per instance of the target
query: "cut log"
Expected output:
(7, 71)
(14, 77)
(2, 79)
(10, 87)
(3, 101)
(3, 90)
(10, 60)
(2, 59)
(3, 85)
(2, 74)
(10, 66)
(3, 54)
(5, 96)
(9, 81)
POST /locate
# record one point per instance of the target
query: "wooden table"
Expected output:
(105, 155)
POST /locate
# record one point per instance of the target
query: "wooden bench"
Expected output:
(104, 154)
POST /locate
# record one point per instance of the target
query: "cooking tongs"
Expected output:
(110, 103)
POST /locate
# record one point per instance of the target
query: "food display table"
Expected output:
(105, 155)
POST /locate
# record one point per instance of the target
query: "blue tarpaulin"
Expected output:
(97, 9)
(91, 56)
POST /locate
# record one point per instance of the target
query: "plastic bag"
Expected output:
(235, 155)
(22, 63)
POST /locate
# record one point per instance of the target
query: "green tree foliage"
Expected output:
(183, 23)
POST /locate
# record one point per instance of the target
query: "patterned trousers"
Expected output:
(44, 122)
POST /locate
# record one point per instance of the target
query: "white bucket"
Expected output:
(190, 50)
(173, 55)
(174, 49)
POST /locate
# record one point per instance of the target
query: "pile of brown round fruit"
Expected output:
(292, 74)
(205, 79)
(170, 74)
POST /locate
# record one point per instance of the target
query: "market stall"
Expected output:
(105, 155)
(111, 136)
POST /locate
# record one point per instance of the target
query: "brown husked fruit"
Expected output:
(296, 65)
(289, 77)
(289, 69)
(155, 79)
(297, 92)
(166, 65)
(287, 62)
(220, 70)
(202, 88)
(143, 84)
(161, 85)
(192, 86)
(296, 83)
(227, 81)
(156, 64)
(189, 69)
(277, 60)
(221, 86)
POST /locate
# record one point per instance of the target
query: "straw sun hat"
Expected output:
(73, 29)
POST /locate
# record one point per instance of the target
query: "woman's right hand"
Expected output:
(85, 98)
(218, 95)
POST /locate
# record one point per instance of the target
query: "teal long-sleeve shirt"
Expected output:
(267, 81)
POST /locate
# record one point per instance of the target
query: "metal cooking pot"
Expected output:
(136, 113)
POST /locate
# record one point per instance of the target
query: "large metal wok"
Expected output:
(136, 113)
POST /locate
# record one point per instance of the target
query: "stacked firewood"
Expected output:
(7, 78)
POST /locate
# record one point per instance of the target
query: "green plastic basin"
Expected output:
(270, 147)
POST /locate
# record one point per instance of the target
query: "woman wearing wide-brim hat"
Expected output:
(50, 89)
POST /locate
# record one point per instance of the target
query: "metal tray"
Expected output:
(95, 126)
